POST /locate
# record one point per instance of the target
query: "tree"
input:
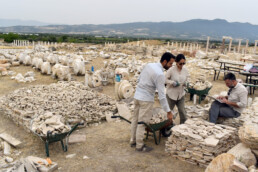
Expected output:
(10, 37)
(64, 38)
(52, 39)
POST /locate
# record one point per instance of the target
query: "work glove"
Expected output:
(176, 84)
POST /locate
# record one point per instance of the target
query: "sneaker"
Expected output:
(133, 145)
(144, 149)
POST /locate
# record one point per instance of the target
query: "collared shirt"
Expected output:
(173, 75)
(238, 95)
(151, 79)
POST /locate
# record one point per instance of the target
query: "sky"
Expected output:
(127, 11)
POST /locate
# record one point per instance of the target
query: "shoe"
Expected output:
(144, 149)
(133, 145)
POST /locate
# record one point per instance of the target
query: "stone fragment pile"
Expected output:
(198, 141)
(200, 84)
(49, 122)
(158, 116)
(32, 164)
(8, 154)
(73, 101)
(233, 122)
(4, 66)
(196, 67)
(197, 111)
(28, 77)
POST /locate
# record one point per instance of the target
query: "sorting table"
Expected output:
(249, 81)
(248, 76)
(228, 66)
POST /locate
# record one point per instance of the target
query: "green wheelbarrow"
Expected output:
(201, 93)
(163, 127)
(51, 138)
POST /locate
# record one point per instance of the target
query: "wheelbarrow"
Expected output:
(163, 128)
(50, 138)
(201, 93)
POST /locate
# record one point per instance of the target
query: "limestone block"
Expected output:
(11, 140)
(7, 148)
(248, 134)
(124, 110)
(238, 166)
(211, 141)
(243, 154)
(222, 162)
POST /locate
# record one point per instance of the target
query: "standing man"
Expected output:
(151, 78)
(232, 105)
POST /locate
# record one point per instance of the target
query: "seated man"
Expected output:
(232, 105)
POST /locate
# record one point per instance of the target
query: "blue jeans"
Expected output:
(221, 110)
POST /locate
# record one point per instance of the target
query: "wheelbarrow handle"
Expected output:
(74, 128)
(142, 123)
(116, 116)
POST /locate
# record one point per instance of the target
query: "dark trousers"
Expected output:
(221, 110)
(180, 106)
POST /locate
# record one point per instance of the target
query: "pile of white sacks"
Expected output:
(198, 141)
(73, 101)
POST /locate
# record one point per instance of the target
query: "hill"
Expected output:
(191, 29)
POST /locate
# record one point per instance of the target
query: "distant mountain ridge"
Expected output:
(191, 29)
(17, 22)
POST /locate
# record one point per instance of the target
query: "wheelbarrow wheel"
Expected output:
(166, 132)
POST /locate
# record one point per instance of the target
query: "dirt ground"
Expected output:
(107, 145)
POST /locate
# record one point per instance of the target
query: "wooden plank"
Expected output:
(11, 140)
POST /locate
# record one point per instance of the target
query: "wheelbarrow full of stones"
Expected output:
(201, 93)
(51, 138)
(164, 128)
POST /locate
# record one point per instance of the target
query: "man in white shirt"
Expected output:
(151, 78)
(232, 105)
